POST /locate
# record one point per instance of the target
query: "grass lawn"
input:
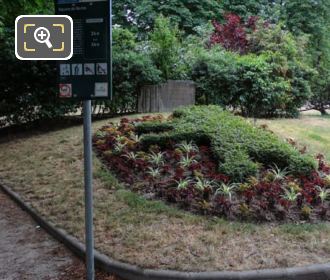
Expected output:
(47, 170)
(313, 131)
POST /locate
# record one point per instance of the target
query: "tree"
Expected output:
(312, 17)
(132, 68)
(244, 9)
(11, 9)
(27, 89)
(165, 46)
(259, 69)
(233, 35)
(267, 9)
(124, 13)
(187, 14)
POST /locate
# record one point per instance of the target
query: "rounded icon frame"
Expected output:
(43, 59)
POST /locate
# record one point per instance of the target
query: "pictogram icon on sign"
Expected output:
(65, 90)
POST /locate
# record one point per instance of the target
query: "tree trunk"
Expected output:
(323, 112)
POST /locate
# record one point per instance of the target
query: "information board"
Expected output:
(88, 74)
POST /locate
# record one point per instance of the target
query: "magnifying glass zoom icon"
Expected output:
(42, 35)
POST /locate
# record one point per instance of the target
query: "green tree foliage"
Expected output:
(165, 46)
(289, 60)
(245, 83)
(132, 68)
(312, 18)
(301, 17)
(11, 9)
(124, 13)
(267, 9)
(271, 80)
(186, 14)
(244, 9)
(321, 86)
(28, 90)
(123, 40)
(306, 16)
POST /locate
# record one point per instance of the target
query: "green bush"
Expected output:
(156, 127)
(238, 165)
(131, 70)
(164, 43)
(239, 147)
(271, 80)
(250, 83)
(29, 90)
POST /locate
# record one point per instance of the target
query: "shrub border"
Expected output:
(131, 272)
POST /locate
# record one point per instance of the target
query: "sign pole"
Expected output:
(87, 76)
(87, 111)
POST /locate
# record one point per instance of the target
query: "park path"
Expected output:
(27, 252)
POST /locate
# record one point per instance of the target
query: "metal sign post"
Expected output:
(88, 163)
(85, 77)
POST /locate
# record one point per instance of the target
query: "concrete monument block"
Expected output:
(166, 97)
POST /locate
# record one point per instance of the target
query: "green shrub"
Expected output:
(131, 70)
(29, 91)
(165, 47)
(156, 127)
(272, 79)
(238, 165)
(238, 146)
(250, 83)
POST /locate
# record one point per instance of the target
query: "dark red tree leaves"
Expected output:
(233, 35)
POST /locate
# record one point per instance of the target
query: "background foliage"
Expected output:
(140, 15)
(260, 57)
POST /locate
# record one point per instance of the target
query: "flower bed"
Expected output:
(152, 158)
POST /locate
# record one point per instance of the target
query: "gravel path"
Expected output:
(28, 253)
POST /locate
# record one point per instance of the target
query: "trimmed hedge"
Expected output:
(153, 127)
(240, 148)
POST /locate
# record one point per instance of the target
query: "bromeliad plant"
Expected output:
(156, 159)
(183, 184)
(131, 156)
(290, 194)
(119, 147)
(154, 172)
(226, 190)
(187, 148)
(203, 184)
(323, 194)
(148, 157)
(278, 174)
(186, 161)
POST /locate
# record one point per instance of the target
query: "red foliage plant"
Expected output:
(233, 35)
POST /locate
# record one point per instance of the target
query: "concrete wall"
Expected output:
(166, 97)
